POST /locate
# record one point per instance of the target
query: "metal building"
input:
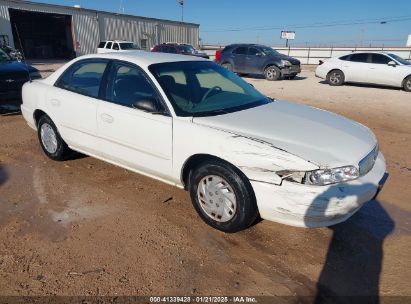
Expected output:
(51, 31)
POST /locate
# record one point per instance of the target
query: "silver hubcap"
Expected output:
(335, 78)
(48, 138)
(217, 198)
(408, 84)
(271, 73)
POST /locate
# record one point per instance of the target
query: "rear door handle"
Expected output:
(107, 118)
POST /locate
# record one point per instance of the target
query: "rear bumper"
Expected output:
(318, 206)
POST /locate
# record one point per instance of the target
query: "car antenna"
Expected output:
(22, 52)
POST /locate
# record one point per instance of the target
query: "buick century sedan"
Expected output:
(193, 124)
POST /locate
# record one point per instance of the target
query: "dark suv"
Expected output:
(258, 59)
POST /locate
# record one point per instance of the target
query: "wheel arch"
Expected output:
(37, 114)
(271, 63)
(405, 78)
(196, 160)
(335, 69)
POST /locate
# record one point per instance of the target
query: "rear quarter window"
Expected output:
(101, 44)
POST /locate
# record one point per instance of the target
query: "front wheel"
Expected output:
(223, 197)
(407, 84)
(50, 140)
(272, 73)
(335, 78)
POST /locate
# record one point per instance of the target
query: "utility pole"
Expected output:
(181, 2)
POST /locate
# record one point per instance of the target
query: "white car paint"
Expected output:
(111, 49)
(371, 73)
(259, 142)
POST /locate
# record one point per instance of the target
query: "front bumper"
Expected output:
(318, 206)
(291, 70)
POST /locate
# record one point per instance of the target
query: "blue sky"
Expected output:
(216, 16)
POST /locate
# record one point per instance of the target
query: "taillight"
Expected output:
(217, 55)
(321, 62)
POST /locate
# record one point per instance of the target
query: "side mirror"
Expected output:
(149, 105)
(392, 63)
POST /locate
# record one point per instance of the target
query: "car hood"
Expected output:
(292, 60)
(14, 66)
(323, 138)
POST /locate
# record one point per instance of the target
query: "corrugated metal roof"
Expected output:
(101, 12)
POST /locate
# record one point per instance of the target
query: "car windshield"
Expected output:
(4, 56)
(187, 49)
(200, 88)
(400, 60)
(267, 50)
(128, 46)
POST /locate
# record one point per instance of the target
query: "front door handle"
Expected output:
(107, 118)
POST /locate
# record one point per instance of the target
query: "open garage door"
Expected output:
(42, 35)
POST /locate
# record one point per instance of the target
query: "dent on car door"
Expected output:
(72, 103)
(132, 137)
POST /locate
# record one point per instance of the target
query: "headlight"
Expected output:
(321, 177)
(286, 63)
(35, 75)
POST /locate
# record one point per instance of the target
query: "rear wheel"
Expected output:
(50, 140)
(407, 84)
(223, 197)
(272, 73)
(335, 78)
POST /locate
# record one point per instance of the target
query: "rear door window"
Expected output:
(242, 50)
(116, 46)
(108, 45)
(84, 77)
(363, 57)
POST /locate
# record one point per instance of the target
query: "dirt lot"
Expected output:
(84, 227)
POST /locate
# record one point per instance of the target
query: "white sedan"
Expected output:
(191, 123)
(371, 68)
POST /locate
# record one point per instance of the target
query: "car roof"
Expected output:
(117, 41)
(143, 58)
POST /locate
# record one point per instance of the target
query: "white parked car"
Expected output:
(111, 46)
(191, 123)
(371, 68)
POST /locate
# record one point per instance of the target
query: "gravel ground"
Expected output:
(84, 227)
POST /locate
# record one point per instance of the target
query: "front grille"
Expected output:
(367, 163)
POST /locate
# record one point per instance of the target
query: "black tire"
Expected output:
(335, 78)
(272, 73)
(228, 66)
(290, 77)
(61, 150)
(407, 84)
(246, 210)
